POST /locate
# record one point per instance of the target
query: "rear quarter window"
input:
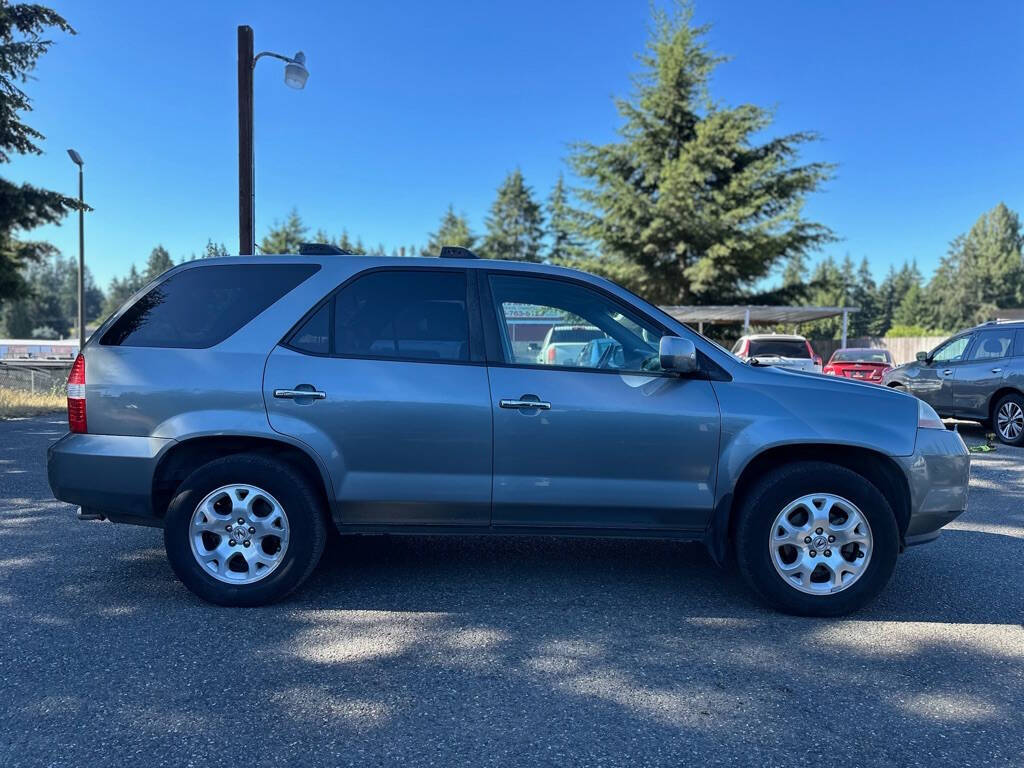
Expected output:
(200, 307)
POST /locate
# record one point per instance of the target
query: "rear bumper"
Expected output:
(939, 474)
(108, 474)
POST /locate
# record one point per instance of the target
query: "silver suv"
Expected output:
(245, 405)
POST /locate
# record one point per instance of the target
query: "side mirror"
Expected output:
(533, 346)
(922, 357)
(678, 355)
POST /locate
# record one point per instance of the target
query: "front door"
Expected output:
(611, 441)
(398, 405)
(934, 379)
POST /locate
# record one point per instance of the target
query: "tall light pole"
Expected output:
(295, 75)
(77, 160)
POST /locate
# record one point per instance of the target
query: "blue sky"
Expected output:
(411, 106)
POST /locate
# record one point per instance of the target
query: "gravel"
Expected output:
(485, 651)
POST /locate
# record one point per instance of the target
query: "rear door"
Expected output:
(398, 404)
(613, 443)
(986, 367)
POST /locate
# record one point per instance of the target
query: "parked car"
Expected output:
(381, 395)
(562, 344)
(605, 352)
(977, 374)
(866, 364)
(778, 350)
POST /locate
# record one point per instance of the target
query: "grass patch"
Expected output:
(17, 402)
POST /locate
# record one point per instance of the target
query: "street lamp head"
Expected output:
(76, 158)
(295, 72)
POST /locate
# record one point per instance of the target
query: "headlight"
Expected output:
(927, 418)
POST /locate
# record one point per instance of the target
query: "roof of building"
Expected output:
(759, 314)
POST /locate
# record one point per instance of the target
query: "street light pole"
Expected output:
(77, 160)
(295, 75)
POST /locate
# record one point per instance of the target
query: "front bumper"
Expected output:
(939, 474)
(108, 474)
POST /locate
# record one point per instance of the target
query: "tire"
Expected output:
(1008, 419)
(757, 554)
(285, 521)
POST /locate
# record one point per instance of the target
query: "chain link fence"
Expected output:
(47, 380)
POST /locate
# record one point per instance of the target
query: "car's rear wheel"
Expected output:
(1009, 419)
(816, 539)
(244, 530)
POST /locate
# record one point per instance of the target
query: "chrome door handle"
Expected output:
(523, 404)
(948, 372)
(291, 394)
(997, 370)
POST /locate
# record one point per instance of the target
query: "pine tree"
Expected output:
(688, 193)
(515, 225)
(864, 297)
(23, 207)
(563, 227)
(159, 261)
(285, 237)
(454, 230)
(121, 289)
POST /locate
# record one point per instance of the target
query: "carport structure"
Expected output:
(757, 315)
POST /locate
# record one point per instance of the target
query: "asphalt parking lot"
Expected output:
(500, 651)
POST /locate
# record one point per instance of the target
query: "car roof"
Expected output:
(775, 336)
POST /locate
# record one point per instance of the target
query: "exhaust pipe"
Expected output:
(89, 514)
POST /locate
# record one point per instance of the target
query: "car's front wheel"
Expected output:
(1009, 419)
(244, 530)
(816, 539)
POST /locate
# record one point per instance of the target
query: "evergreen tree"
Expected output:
(689, 193)
(515, 225)
(23, 207)
(563, 226)
(454, 230)
(159, 261)
(121, 289)
(911, 309)
(864, 297)
(285, 237)
(214, 250)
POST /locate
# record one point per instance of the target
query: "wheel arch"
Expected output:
(178, 461)
(998, 395)
(879, 469)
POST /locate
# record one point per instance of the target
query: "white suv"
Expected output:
(779, 350)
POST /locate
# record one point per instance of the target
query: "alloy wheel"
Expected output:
(1010, 420)
(239, 534)
(820, 544)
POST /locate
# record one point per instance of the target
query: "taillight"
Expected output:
(551, 355)
(76, 396)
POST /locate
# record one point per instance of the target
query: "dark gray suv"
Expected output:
(245, 405)
(977, 375)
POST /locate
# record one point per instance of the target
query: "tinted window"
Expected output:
(315, 335)
(778, 347)
(200, 307)
(1018, 347)
(623, 342)
(862, 356)
(561, 335)
(951, 351)
(413, 315)
(992, 345)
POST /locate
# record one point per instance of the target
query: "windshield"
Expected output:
(575, 335)
(862, 356)
(779, 348)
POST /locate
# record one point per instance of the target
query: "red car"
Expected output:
(865, 364)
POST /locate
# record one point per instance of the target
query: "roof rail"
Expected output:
(457, 252)
(322, 249)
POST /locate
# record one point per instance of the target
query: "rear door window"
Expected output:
(200, 307)
(992, 345)
(393, 315)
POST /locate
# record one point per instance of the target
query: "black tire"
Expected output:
(770, 495)
(306, 520)
(1006, 400)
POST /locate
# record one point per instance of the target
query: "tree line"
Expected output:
(694, 202)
